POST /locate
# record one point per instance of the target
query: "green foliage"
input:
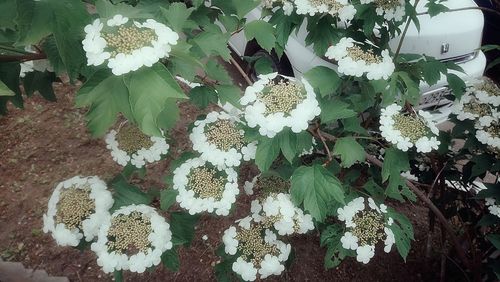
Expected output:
(127, 194)
(324, 80)
(330, 238)
(170, 259)
(263, 32)
(182, 226)
(350, 151)
(314, 187)
(403, 232)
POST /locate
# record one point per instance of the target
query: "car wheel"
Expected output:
(276, 65)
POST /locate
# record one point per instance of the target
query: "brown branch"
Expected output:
(22, 58)
(423, 197)
(241, 71)
(435, 210)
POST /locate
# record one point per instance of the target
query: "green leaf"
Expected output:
(263, 32)
(494, 239)
(8, 8)
(107, 96)
(41, 82)
(268, 150)
(213, 43)
(330, 237)
(177, 16)
(229, 94)
(202, 96)
(107, 9)
(32, 18)
(288, 145)
(118, 275)
(9, 75)
(333, 110)
(5, 91)
(434, 8)
(127, 194)
(151, 91)
(350, 151)
(167, 198)
(403, 232)
(182, 226)
(170, 259)
(326, 80)
(456, 84)
(395, 161)
(322, 33)
(315, 187)
(69, 17)
(217, 72)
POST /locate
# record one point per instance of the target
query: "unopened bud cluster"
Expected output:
(410, 126)
(205, 183)
(266, 186)
(332, 4)
(477, 108)
(131, 139)
(225, 135)
(253, 246)
(74, 206)
(387, 4)
(282, 97)
(127, 39)
(369, 228)
(357, 54)
(129, 234)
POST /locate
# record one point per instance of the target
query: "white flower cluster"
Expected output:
(270, 124)
(159, 240)
(490, 134)
(493, 207)
(362, 235)
(469, 107)
(342, 9)
(390, 9)
(139, 158)
(89, 226)
(486, 91)
(286, 218)
(123, 44)
(221, 157)
(406, 131)
(287, 6)
(207, 198)
(269, 253)
(354, 61)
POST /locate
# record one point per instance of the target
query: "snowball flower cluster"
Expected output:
(272, 107)
(354, 61)
(201, 190)
(220, 141)
(251, 238)
(486, 91)
(286, 218)
(91, 209)
(406, 131)
(140, 157)
(365, 225)
(489, 134)
(114, 259)
(391, 10)
(127, 45)
(493, 207)
(468, 107)
(342, 9)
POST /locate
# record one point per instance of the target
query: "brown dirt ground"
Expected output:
(48, 142)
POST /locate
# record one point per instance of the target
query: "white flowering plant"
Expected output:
(342, 150)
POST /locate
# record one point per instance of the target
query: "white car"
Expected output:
(451, 36)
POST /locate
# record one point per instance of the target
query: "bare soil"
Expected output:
(46, 143)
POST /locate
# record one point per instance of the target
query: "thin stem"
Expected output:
(22, 58)
(407, 26)
(323, 140)
(466, 8)
(240, 70)
(12, 49)
(423, 197)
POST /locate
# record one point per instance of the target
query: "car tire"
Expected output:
(282, 66)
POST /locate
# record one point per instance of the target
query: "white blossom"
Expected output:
(419, 131)
(194, 202)
(139, 158)
(98, 50)
(342, 9)
(211, 151)
(89, 226)
(354, 61)
(270, 124)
